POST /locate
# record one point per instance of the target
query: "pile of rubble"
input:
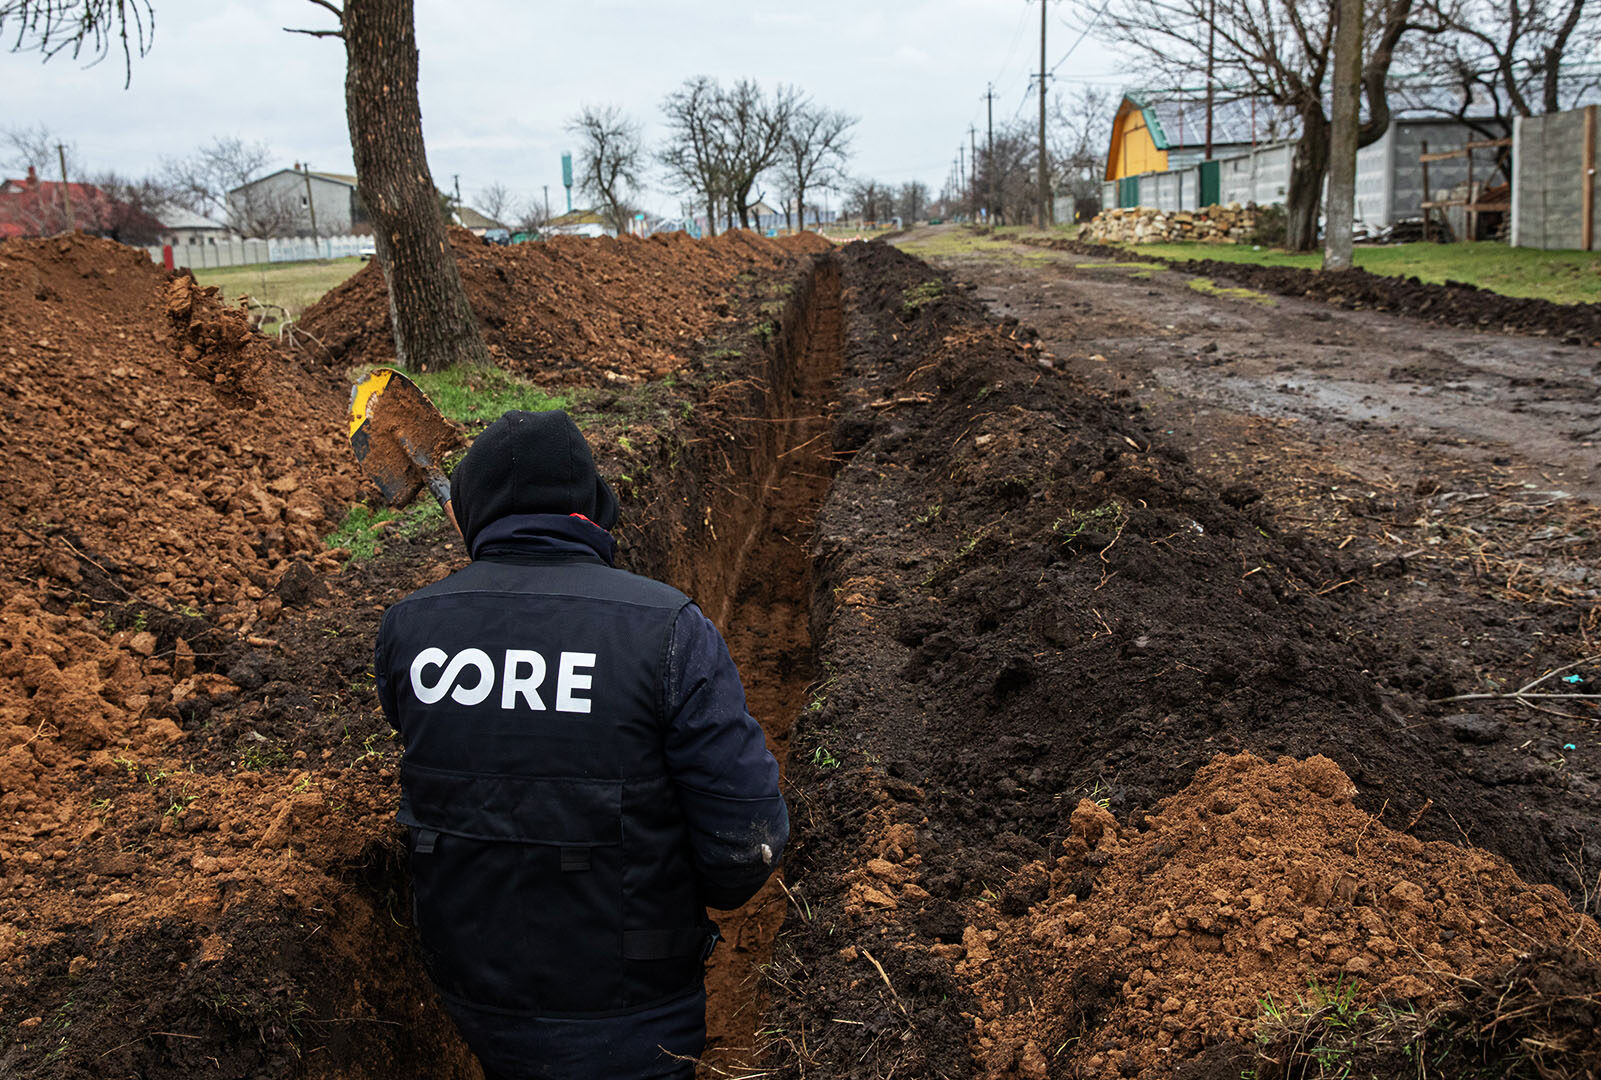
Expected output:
(1231, 224)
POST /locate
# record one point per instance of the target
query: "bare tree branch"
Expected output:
(79, 27)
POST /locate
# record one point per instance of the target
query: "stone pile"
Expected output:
(1231, 224)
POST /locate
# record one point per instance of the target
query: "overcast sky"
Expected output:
(500, 78)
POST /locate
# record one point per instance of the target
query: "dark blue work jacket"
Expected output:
(580, 780)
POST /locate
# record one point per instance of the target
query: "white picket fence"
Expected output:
(246, 252)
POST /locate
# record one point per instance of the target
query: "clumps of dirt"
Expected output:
(569, 310)
(1258, 893)
(155, 444)
(1025, 598)
(1455, 303)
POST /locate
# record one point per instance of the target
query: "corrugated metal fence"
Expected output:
(1261, 176)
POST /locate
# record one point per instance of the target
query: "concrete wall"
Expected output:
(248, 252)
(1548, 188)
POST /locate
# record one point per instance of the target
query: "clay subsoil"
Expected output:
(1108, 702)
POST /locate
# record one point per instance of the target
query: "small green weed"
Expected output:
(1209, 287)
(263, 756)
(920, 296)
(822, 758)
(928, 515)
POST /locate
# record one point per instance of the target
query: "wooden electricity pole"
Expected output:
(989, 152)
(66, 190)
(1045, 194)
(311, 209)
(1343, 136)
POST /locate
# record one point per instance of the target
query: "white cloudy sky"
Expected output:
(500, 78)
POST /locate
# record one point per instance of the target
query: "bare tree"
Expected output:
(24, 148)
(79, 28)
(1522, 57)
(869, 201)
(1280, 50)
(1079, 131)
(813, 152)
(1010, 175)
(527, 217)
(750, 128)
(217, 181)
(694, 156)
(428, 307)
(496, 202)
(911, 201)
(610, 155)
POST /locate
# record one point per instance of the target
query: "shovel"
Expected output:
(399, 437)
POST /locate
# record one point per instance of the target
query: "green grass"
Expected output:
(476, 396)
(1212, 288)
(1567, 277)
(364, 528)
(293, 286)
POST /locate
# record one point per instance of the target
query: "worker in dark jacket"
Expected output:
(581, 778)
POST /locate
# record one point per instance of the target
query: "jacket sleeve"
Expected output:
(717, 755)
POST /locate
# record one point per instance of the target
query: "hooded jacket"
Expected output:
(581, 780)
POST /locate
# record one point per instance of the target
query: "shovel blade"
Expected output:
(397, 434)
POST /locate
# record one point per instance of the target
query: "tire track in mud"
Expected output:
(765, 620)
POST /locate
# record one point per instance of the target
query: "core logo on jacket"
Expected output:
(520, 676)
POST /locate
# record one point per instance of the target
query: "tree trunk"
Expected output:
(1343, 136)
(1305, 195)
(711, 215)
(428, 308)
(800, 209)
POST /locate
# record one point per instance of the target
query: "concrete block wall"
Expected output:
(1551, 175)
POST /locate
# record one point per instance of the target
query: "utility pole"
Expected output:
(1045, 195)
(1343, 138)
(311, 205)
(547, 204)
(989, 153)
(961, 171)
(1211, 58)
(66, 191)
(455, 180)
(972, 168)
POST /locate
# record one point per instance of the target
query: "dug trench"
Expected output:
(1097, 780)
(201, 873)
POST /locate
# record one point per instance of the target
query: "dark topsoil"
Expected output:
(1455, 303)
(1024, 599)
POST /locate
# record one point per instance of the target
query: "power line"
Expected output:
(1086, 33)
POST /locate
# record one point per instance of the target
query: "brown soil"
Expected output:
(402, 422)
(1027, 597)
(1256, 883)
(146, 423)
(569, 310)
(1455, 303)
(766, 623)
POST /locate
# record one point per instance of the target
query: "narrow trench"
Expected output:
(766, 622)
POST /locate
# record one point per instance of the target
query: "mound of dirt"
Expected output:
(570, 310)
(1456, 303)
(1025, 598)
(1257, 891)
(153, 439)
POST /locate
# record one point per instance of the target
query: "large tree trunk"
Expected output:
(1305, 194)
(800, 209)
(1337, 254)
(433, 322)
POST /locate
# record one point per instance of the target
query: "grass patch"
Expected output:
(920, 296)
(363, 530)
(476, 396)
(293, 286)
(1211, 288)
(1566, 277)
